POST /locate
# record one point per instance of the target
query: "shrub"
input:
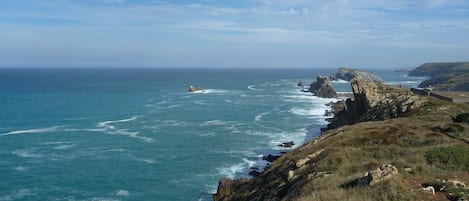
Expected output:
(462, 118)
(451, 158)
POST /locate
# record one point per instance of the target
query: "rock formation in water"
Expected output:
(322, 88)
(348, 74)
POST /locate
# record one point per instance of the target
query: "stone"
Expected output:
(458, 184)
(291, 175)
(383, 173)
(322, 88)
(300, 163)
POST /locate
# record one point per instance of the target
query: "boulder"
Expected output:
(322, 88)
(383, 173)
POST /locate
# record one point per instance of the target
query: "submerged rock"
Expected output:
(287, 144)
(322, 88)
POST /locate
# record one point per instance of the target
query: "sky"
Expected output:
(234, 34)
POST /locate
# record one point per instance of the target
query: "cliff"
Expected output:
(374, 102)
(444, 76)
(322, 88)
(348, 74)
(396, 144)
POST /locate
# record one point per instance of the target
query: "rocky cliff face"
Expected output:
(348, 74)
(375, 101)
(322, 88)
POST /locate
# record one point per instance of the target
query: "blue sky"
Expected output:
(237, 33)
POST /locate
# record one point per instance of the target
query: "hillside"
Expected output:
(444, 76)
(386, 144)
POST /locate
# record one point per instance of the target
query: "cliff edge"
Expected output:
(394, 146)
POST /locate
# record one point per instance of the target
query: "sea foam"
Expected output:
(32, 131)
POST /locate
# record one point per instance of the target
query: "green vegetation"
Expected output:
(450, 158)
(462, 118)
(425, 144)
(444, 76)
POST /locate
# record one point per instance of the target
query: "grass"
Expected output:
(454, 192)
(427, 142)
(450, 158)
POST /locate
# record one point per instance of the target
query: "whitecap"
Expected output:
(21, 168)
(109, 128)
(233, 170)
(122, 193)
(252, 87)
(318, 111)
(20, 194)
(32, 131)
(106, 123)
(145, 160)
(340, 81)
(215, 91)
(26, 153)
(259, 116)
(214, 123)
(62, 147)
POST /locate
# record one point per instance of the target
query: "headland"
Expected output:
(385, 143)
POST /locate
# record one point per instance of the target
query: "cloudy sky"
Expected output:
(235, 33)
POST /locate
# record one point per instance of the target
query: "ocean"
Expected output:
(137, 134)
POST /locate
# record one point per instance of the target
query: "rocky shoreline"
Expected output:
(364, 145)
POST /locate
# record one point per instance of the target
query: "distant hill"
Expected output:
(453, 76)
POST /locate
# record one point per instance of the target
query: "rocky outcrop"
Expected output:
(194, 89)
(226, 186)
(375, 101)
(383, 173)
(331, 166)
(348, 74)
(322, 88)
(451, 76)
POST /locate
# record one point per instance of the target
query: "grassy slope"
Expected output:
(422, 142)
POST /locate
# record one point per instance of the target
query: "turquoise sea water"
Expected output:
(136, 134)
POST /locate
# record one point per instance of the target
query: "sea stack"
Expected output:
(322, 88)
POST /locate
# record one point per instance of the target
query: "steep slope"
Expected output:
(378, 157)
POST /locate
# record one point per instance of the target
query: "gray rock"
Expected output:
(348, 74)
(383, 173)
(322, 88)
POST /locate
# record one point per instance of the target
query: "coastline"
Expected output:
(293, 175)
